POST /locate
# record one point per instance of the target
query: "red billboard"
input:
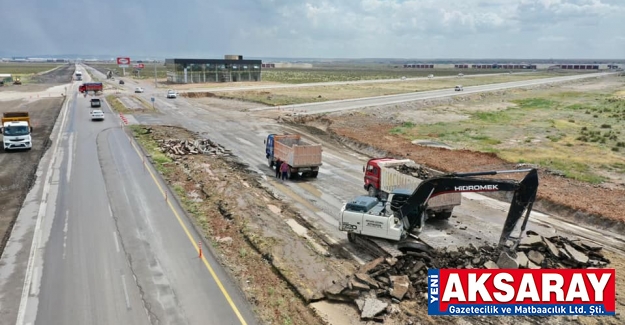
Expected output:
(123, 61)
(138, 65)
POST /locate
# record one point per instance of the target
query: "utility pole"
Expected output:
(155, 82)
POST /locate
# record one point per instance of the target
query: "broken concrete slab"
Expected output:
(372, 307)
(578, 256)
(371, 265)
(491, 265)
(401, 284)
(506, 261)
(536, 257)
(532, 240)
(552, 248)
(522, 259)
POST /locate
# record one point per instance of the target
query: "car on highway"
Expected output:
(431, 76)
(138, 90)
(121, 82)
(171, 94)
(97, 115)
(459, 88)
(95, 102)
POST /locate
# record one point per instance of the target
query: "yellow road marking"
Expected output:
(210, 269)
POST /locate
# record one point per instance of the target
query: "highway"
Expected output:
(351, 104)
(98, 242)
(340, 178)
(335, 83)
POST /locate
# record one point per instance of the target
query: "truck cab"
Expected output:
(16, 131)
(78, 75)
(367, 214)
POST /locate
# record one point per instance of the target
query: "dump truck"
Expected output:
(16, 130)
(91, 86)
(391, 228)
(385, 176)
(78, 75)
(304, 159)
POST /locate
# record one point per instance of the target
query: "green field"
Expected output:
(579, 134)
(22, 69)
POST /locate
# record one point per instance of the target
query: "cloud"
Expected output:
(304, 28)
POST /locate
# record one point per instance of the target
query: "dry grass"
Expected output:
(116, 105)
(287, 96)
(23, 69)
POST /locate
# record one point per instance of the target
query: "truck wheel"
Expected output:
(372, 191)
(314, 174)
(442, 215)
(270, 162)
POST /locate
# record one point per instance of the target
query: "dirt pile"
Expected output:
(415, 171)
(381, 283)
(174, 148)
(198, 94)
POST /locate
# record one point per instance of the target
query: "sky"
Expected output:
(428, 29)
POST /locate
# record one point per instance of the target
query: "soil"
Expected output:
(17, 174)
(369, 129)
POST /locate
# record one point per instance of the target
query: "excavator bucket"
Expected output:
(522, 201)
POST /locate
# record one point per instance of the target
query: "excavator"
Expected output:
(390, 228)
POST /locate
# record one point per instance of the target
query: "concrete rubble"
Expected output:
(418, 172)
(174, 147)
(390, 281)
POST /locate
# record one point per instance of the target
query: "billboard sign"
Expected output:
(123, 62)
(138, 65)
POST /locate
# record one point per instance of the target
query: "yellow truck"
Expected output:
(16, 131)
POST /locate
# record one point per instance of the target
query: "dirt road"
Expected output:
(18, 168)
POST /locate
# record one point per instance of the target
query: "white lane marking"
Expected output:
(126, 292)
(70, 156)
(21, 314)
(110, 210)
(65, 227)
(34, 289)
(116, 241)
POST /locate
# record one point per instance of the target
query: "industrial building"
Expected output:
(232, 68)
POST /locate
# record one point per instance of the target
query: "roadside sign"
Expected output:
(152, 99)
(123, 62)
(138, 65)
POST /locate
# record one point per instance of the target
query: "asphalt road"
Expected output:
(351, 104)
(108, 247)
(335, 83)
(340, 178)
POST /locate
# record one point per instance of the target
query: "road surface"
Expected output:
(108, 247)
(340, 178)
(335, 83)
(351, 104)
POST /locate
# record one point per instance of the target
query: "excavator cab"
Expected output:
(412, 211)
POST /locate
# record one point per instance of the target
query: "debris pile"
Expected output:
(174, 148)
(383, 282)
(418, 172)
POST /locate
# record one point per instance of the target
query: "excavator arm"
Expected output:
(412, 211)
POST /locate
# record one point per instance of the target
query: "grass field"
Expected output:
(23, 69)
(286, 96)
(579, 134)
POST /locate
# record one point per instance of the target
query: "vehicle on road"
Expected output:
(16, 131)
(171, 94)
(78, 75)
(461, 75)
(121, 82)
(390, 228)
(139, 90)
(17, 81)
(302, 157)
(95, 102)
(97, 115)
(459, 88)
(91, 86)
(431, 76)
(388, 176)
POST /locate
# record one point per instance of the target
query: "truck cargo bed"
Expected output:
(297, 152)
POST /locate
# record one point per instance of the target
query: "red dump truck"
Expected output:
(91, 86)
(303, 158)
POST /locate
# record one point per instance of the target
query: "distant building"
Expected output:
(232, 68)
